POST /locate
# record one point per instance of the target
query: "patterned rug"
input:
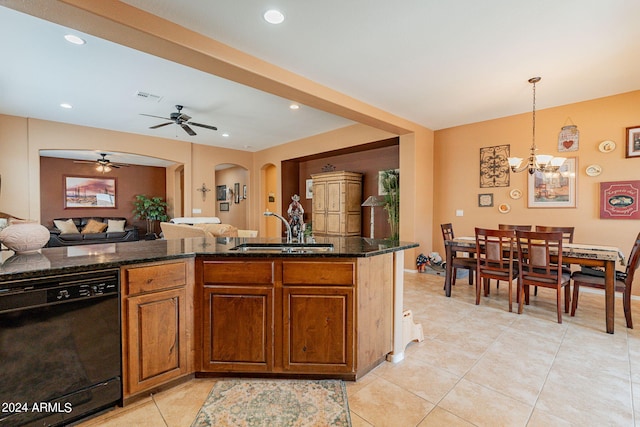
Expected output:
(275, 403)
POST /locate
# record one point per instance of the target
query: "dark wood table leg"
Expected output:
(448, 270)
(609, 291)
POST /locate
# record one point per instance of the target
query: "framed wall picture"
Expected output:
(236, 192)
(221, 192)
(224, 207)
(554, 190)
(309, 188)
(633, 142)
(89, 192)
(485, 200)
(244, 192)
(620, 200)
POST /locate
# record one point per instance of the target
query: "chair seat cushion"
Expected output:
(594, 281)
(565, 278)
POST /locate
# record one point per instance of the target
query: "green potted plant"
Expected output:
(150, 209)
(391, 187)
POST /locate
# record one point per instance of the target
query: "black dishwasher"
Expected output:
(59, 348)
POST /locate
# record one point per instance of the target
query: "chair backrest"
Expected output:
(535, 249)
(447, 231)
(180, 231)
(633, 263)
(495, 249)
(514, 227)
(567, 232)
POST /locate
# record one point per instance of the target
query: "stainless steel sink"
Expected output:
(284, 247)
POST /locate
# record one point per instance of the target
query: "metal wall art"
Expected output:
(494, 166)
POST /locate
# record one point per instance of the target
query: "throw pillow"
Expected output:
(94, 226)
(66, 227)
(115, 225)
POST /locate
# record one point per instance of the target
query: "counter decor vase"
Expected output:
(24, 236)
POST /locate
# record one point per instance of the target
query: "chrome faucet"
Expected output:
(286, 223)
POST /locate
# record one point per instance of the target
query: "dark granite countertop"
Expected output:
(88, 257)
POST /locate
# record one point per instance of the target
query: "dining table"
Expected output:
(590, 255)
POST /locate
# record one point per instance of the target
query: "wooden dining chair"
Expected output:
(567, 237)
(495, 257)
(458, 262)
(624, 280)
(535, 267)
(514, 227)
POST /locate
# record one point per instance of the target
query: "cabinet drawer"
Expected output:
(239, 272)
(156, 277)
(318, 273)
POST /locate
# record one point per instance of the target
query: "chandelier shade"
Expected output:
(535, 162)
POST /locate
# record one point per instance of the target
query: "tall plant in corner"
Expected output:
(150, 209)
(391, 186)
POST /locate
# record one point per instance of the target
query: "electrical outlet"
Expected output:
(195, 210)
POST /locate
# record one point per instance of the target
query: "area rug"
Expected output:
(275, 403)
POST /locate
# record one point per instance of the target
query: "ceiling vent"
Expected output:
(148, 96)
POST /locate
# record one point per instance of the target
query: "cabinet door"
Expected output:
(238, 329)
(318, 217)
(156, 338)
(318, 329)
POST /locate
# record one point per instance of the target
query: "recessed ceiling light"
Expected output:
(74, 39)
(65, 105)
(273, 16)
(226, 135)
(294, 106)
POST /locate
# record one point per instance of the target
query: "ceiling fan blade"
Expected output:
(157, 117)
(160, 125)
(203, 126)
(83, 161)
(187, 129)
(184, 117)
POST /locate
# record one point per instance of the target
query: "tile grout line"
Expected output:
(153, 399)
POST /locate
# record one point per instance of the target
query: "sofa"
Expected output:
(90, 231)
(183, 231)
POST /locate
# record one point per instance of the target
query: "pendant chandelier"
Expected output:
(536, 162)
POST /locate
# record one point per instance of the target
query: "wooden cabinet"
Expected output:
(237, 310)
(157, 323)
(318, 309)
(282, 316)
(337, 197)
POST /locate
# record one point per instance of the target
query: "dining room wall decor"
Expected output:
(620, 200)
(494, 166)
(633, 142)
(485, 200)
(556, 189)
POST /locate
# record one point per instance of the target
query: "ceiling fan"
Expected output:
(181, 119)
(103, 164)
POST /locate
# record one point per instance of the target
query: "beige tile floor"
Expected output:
(478, 366)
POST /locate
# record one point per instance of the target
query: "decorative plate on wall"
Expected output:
(593, 170)
(515, 194)
(607, 146)
(504, 208)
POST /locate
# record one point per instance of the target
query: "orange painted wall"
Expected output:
(457, 172)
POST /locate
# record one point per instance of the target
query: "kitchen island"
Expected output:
(239, 306)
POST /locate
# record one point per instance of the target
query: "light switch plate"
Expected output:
(459, 212)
